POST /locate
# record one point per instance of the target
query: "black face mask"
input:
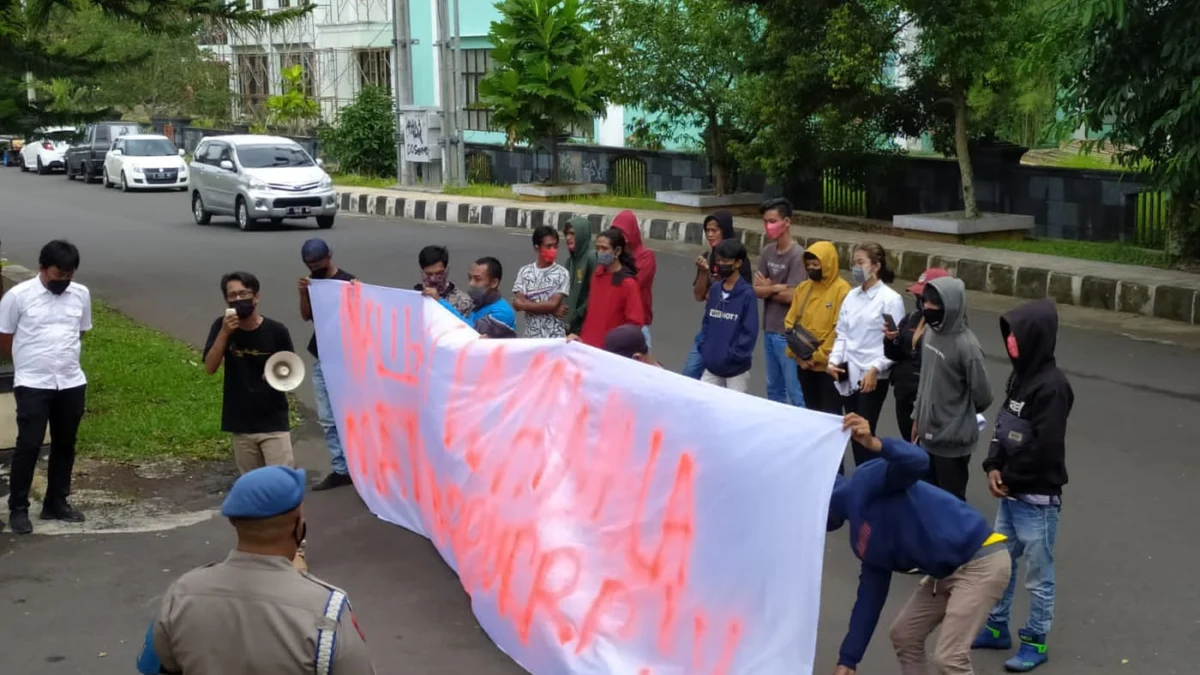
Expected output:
(320, 273)
(725, 270)
(244, 308)
(815, 275)
(58, 286)
(933, 317)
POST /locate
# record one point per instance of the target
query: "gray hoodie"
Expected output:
(954, 383)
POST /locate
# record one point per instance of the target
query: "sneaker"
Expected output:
(332, 480)
(993, 636)
(19, 520)
(1031, 654)
(61, 511)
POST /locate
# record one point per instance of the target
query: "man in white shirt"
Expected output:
(41, 323)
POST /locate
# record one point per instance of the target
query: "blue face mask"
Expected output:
(605, 259)
(859, 274)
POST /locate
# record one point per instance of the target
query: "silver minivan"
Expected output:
(256, 178)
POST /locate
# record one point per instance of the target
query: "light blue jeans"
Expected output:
(694, 367)
(328, 421)
(783, 380)
(646, 334)
(1031, 531)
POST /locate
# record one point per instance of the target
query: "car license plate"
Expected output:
(302, 211)
(159, 176)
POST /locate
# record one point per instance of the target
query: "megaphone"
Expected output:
(284, 371)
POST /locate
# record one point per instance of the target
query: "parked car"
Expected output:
(86, 155)
(253, 178)
(145, 161)
(46, 149)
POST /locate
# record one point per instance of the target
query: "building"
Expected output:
(344, 45)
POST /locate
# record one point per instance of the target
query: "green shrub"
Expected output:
(363, 140)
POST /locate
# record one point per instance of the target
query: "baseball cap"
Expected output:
(926, 277)
(626, 341)
(314, 250)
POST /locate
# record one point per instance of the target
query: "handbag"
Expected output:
(802, 343)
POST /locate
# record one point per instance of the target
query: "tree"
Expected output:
(29, 46)
(1130, 77)
(684, 60)
(363, 141)
(293, 109)
(960, 46)
(546, 74)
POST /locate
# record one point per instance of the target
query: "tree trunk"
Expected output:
(720, 177)
(554, 163)
(970, 208)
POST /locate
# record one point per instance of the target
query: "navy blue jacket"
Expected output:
(899, 523)
(729, 330)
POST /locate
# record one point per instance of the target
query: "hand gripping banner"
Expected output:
(605, 516)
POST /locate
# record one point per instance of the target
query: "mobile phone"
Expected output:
(844, 367)
(889, 322)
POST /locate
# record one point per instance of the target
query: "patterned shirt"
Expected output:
(539, 284)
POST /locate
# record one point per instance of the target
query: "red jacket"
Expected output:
(614, 300)
(643, 257)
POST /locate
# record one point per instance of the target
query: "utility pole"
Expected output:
(402, 85)
(451, 99)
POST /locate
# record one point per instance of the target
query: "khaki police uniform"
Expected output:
(255, 614)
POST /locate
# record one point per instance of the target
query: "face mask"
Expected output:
(244, 308)
(58, 286)
(437, 281)
(725, 270)
(775, 230)
(1011, 343)
(548, 255)
(815, 275)
(321, 273)
(605, 259)
(300, 534)
(477, 293)
(933, 317)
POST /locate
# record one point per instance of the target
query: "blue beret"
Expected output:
(265, 492)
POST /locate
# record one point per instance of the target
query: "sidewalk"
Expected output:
(1166, 294)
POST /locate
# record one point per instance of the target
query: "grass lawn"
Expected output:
(148, 395)
(1085, 250)
(610, 201)
(354, 180)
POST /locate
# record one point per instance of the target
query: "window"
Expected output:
(148, 147)
(265, 156)
(252, 80)
(257, 5)
(476, 64)
(284, 4)
(375, 68)
(103, 135)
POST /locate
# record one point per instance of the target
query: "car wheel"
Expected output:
(124, 183)
(22, 164)
(67, 170)
(41, 168)
(86, 170)
(104, 179)
(324, 222)
(202, 216)
(244, 221)
(276, 222)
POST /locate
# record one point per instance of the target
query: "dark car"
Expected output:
(86, 155)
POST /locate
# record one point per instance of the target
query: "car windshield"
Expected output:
(149, 147)
(64, 135)
(264, 156)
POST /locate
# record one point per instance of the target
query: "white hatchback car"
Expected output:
(255, 178)
(145, 161)
(45, 149)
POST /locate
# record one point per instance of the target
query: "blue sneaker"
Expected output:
(1031, 654)
(993, 636)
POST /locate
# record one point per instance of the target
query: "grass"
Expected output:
(356, 180)
(505, 192)
(148, 395)
(1111, 252)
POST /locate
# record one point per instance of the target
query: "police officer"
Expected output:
(254, 613)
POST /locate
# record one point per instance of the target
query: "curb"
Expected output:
(1164, 301)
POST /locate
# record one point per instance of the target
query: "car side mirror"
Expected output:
(227, 165)
(321, 163)
(117, 152)
(182, 152)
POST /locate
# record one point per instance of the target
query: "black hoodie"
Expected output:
(1028, 447)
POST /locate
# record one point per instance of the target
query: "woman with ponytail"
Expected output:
(615, 298)
(857, 362)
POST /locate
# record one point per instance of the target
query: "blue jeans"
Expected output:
(783, 380)
(646, 334)
(328, 421)
(694, 367)
(1031, 531)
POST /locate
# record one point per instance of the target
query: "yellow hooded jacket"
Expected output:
(819, 314)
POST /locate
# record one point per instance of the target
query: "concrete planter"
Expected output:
(539, 192)
(705, 201)
(953, 226)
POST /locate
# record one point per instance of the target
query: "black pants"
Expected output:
(868, 406)
(62, 409)
(904, 420)
(819, 392)
(950, 474)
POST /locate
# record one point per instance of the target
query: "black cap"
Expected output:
(626, 341)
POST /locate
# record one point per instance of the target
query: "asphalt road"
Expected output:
(1126, 546)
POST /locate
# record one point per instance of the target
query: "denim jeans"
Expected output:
(783, 382)
(328, 421)
(1031, 531)
(694, 367)
(646, 334)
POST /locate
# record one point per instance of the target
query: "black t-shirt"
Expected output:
(250, 405)
(339, 275)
